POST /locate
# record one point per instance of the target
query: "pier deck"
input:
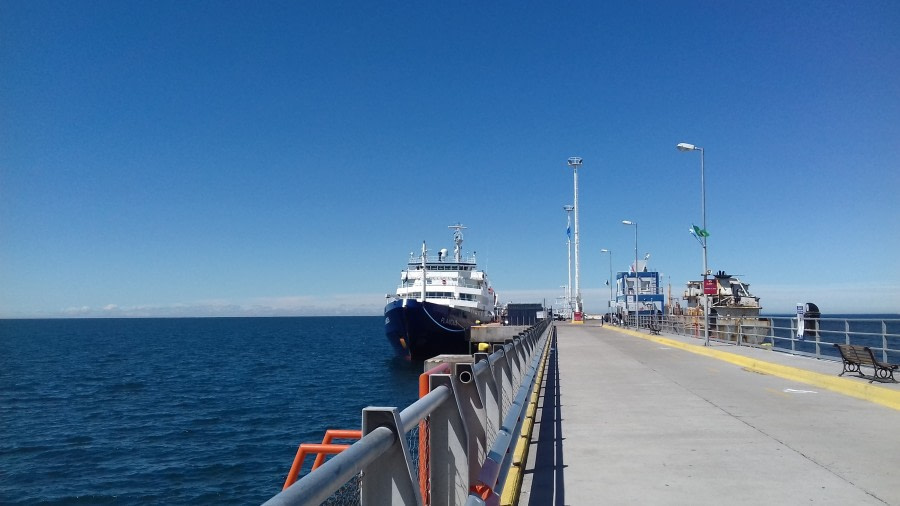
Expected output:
(664, 420)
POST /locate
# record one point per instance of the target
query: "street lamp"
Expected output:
(609, 282)
(568, 209)
(575, 162)
(636, 280)
(690, 147)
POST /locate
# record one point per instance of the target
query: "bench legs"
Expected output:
(851, 367)
(884, 374)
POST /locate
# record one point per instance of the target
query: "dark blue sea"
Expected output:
(878, 331)
(177, 411)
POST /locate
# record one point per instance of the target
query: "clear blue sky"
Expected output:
(240, 158)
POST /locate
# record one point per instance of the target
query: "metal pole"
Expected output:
(690, 147)
(577, 263)
(609, 283)
(569, 286)
(609, 309)
(576, 162)
(569, 209)
(637, 282)
(705, 264)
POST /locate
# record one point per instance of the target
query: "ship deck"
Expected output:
(628, 418)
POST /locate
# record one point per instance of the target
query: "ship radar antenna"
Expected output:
(458, 239)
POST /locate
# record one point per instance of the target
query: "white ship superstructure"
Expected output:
(439, 295)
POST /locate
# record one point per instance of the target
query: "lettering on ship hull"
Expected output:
(450, 321)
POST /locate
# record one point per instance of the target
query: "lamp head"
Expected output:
(628, 222)
(604, 250)
(569, 208)
(685, 147)
(574, 161)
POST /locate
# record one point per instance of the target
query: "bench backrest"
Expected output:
(861, 355)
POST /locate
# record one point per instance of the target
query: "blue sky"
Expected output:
(237, 158)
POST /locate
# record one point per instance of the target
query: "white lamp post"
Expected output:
(568, 209)
(575, 162)
(609, 282)
(690, 147)
(637, 283)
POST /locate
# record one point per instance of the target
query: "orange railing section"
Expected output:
(424, 484)
(320, 450)
(329, 448)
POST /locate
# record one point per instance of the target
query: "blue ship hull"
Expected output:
(421, 330)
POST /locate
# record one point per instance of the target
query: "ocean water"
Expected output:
(878, 331)
(177, 411)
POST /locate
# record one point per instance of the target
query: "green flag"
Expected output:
(700, 232)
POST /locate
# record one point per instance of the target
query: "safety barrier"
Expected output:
(327, 447)
(474, 412)
(782, 334)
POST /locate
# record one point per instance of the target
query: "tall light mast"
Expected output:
(576, 162)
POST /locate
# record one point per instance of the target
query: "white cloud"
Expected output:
(843, 298)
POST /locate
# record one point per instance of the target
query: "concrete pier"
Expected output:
(629, 418)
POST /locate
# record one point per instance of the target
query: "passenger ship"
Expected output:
(423, 323)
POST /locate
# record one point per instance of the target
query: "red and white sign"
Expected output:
(709, 287)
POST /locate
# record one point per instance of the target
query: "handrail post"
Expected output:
(390, 479)
(448, 444)
(471, 407)
(489, 391)
(518, 362)
(500, 371)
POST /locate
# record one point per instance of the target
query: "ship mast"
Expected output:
(424, 274)
(458, 239)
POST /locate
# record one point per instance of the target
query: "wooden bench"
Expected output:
(854, 357)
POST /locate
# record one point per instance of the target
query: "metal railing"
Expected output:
(780, 333)
(473, 414)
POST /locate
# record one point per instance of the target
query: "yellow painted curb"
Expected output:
(846, 386)
(513, 485)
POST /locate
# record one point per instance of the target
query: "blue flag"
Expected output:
(569, 227)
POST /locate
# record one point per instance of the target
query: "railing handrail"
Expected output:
(314, 488)
(780, 332)
(389, 430)
(492, 477)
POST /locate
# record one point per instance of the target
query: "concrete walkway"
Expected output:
(627, 418)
